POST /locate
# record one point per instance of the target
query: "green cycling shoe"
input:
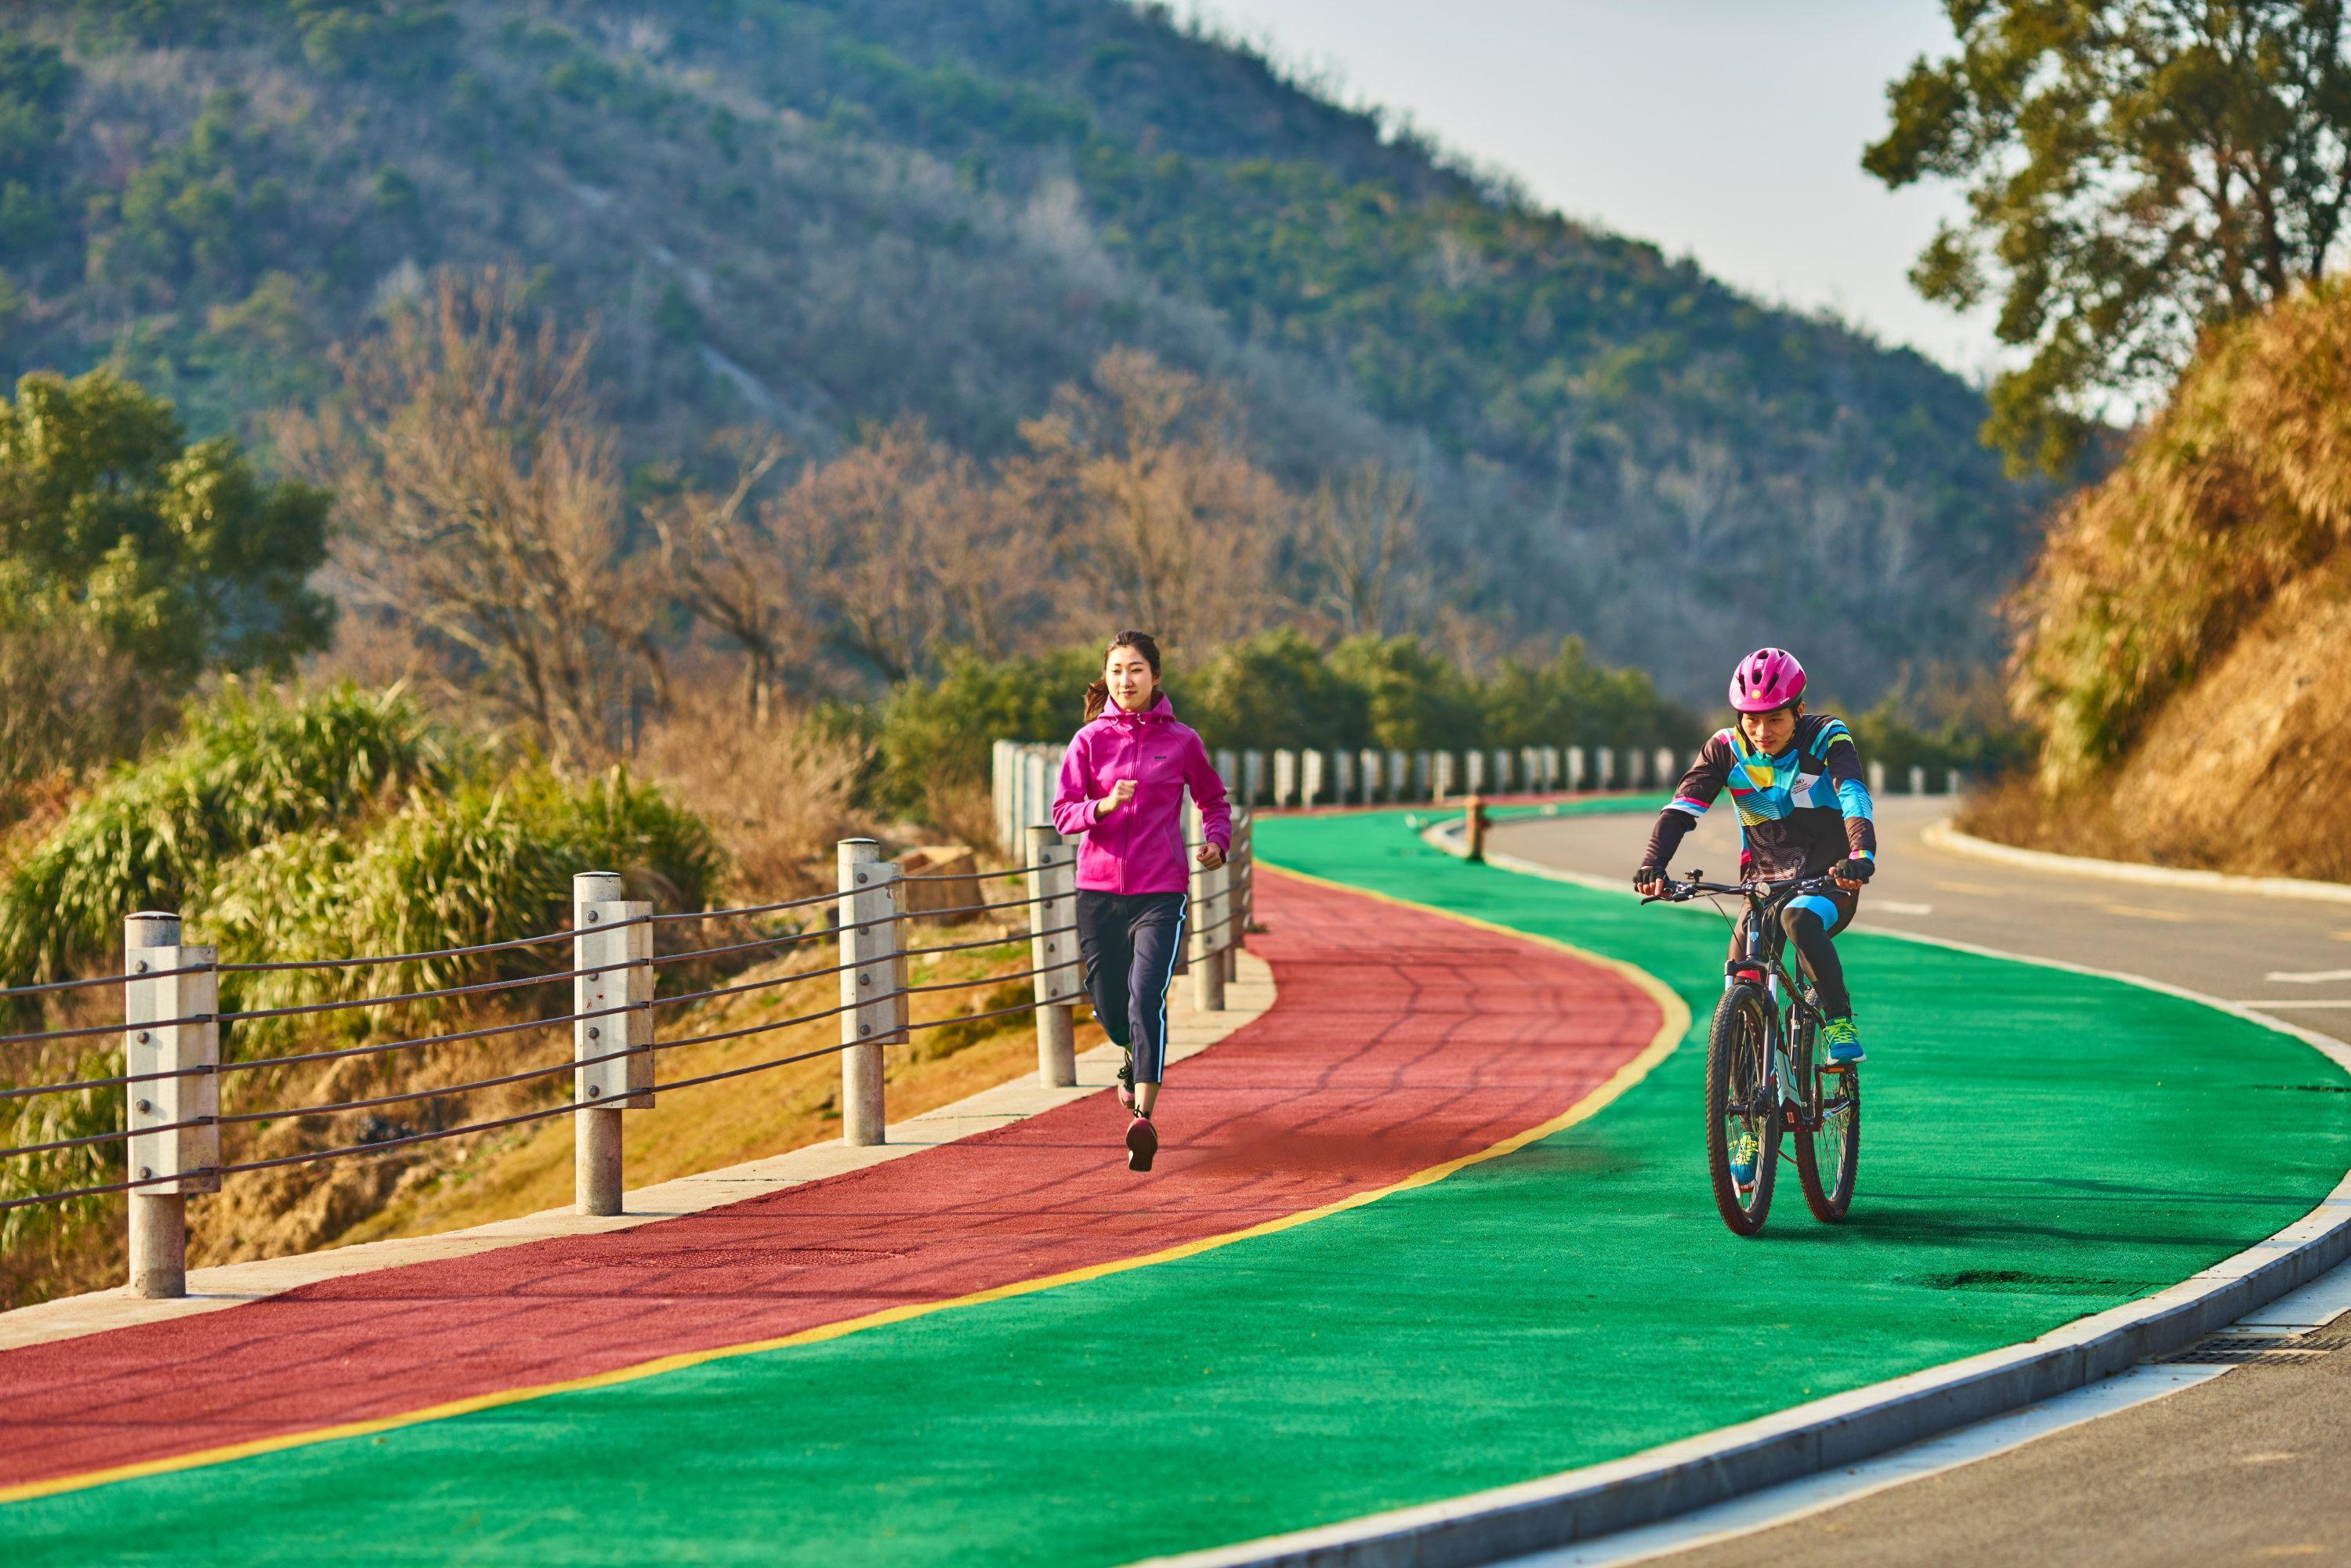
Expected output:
(1841, 1040)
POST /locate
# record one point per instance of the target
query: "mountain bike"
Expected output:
(1763, 1074)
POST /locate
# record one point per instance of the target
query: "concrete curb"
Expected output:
(1942, 835)
(1697, 1472)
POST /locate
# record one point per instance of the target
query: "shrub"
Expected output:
(250, 765)
(933, 740)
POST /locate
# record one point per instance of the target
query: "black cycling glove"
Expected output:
(1649, 873)
(1852, 869)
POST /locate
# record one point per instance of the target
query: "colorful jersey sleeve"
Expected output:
(1840, 759)
(1692, 796)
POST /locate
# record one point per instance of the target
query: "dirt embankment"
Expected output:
(2185, 641)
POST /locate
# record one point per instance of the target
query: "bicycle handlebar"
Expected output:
(1759, 891)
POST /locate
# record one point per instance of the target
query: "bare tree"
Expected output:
(480, 507)
(907, 548)
(1157, 516)
(1364, 533)
(731, 575)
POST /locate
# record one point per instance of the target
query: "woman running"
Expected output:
(1123, 783)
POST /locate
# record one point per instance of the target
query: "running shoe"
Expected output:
(1843, 1039)
(1142, 1143)
(1126, 1082)
(1742, 1160)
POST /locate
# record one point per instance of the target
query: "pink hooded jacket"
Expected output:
(1139, 847)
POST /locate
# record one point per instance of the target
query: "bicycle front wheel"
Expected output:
(1742, 1125)
(1828, 1150)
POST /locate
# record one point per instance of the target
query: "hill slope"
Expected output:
(2189, 625)
(817, 214)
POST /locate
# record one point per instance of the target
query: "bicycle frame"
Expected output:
(1787, 996)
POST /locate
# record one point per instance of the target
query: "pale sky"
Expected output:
(1727, 129)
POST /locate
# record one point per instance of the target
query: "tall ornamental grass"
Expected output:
(336, 824)
(248, 766)
(2242, 484)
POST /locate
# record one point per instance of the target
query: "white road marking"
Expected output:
(1896, 906)
(2298, 1313)
(1816, 1494)
(2282, 1005)
(2308, 977)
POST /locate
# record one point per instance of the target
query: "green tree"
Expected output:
(1272, 689)
(1415, 700)
(34, 83)
(178, 555)
(2137, 170)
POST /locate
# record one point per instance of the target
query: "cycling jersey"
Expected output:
(1799, 812)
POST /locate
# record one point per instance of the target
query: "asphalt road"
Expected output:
(2252, 1466)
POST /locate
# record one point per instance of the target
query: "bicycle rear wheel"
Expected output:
(1828, 1150)
(1739, 1107)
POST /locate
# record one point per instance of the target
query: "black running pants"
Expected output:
(1129, 942)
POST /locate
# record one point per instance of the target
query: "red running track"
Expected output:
(1398, 1039)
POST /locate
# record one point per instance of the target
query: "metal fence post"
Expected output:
(1252, 777)
(1502, 772)
(1228, 769)
(1550, 759)
(1208, 964)
(1443, 783)
(1285, 776)
(1576, 769)
(185, 1158)
(1917, 780)
(1603, 767)
(612, 949)
(1877, 778)
(1473, 765)
(1342, 777)
(1665, 775)
(1310, 784)
(873, 983)
(1398, 767)
(1240, 883)
(1053, 952)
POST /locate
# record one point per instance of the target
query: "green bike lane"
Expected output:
(2040, 1145)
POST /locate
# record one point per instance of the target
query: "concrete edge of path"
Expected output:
(1697, 1472)
(232, 1284)
(1945, 835)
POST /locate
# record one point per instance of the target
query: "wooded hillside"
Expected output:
(820, 216)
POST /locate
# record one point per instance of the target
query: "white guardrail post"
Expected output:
(1285, 776)
(1398, 768)
(1252, 777)
(1667, 777)
(612, 949)
(1311, 769)
(1877, 778)
(873, 983)
(1342, 777)
(187, 1158)
(1238, 881)
(1370, 767)
(1576, 769)
(1207, 908)
(1054, 951)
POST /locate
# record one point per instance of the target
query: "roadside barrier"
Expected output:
(1025, 775)
(173, 1063)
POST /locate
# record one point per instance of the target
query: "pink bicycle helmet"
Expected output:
(1765, 679)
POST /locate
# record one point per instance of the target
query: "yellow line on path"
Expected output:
(1676, 1025)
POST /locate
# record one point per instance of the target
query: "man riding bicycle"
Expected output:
(1796, 781)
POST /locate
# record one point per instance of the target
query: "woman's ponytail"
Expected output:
(1098, 694)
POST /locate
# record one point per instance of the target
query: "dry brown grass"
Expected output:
(775, 791)
(2240, 484)
(2184, 635)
